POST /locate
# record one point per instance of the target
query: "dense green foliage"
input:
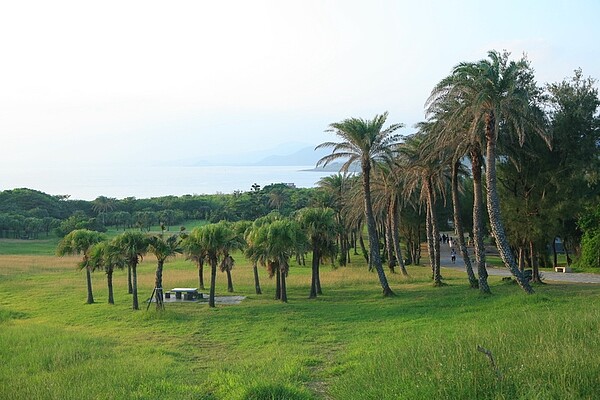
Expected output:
(589, 223)
(26, 213)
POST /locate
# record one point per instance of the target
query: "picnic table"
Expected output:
(188, 293)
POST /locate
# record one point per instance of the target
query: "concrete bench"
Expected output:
(563, 269)
(188, 293)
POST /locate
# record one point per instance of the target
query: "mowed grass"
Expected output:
(350, 343)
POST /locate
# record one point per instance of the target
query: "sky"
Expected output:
(131, 83)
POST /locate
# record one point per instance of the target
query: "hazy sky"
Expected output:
(85, 82)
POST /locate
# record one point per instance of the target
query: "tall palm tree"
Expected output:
(106, 256)
(80, 241)
(452, 143)
(162, 248)
(365, 142)
(388, 189)
(493, 92)
(424, 173)
(321, 228)
(458, 223)
(133, 245)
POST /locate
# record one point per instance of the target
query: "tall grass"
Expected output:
(350, 343)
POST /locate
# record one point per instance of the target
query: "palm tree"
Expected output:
(364, 142)
(256, 249)
(162, 248)
(102, 205)
(335, 188)
(321, 228)
(226, 265)
(192, 247)
(106, 256)
(133, 245)
(388, 189)
(246, 229)
(217, 240)
(458, 223)
(284, 238)
(493, 92)
(453, 143)
(80, 241)
(425, 174)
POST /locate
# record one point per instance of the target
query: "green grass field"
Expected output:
(351, 343)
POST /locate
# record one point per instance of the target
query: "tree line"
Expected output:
(27, 213)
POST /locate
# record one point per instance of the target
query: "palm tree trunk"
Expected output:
(277, 283)
(88, 277)
(458, 226)
(283, 295)
(315, 269)
(396, 237)
(136, 305)
(319, 291)
(213, 281)
(478, 245)
(374, 256)
(256, 281)
(229, 281)
(109, 281)
(201, 274)
(363, 248)
(430, 240)
(389, 242)
(129, 283)
(158, 285)
(343, 243)
(435, 234)
(493, 205)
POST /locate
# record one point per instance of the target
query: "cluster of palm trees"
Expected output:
(123, 251)
(467, 111)
(270, 241)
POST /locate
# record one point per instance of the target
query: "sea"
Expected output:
(145, 182)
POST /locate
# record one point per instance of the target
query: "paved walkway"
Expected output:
(576, 277)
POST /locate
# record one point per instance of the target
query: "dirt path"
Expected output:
(576, 277)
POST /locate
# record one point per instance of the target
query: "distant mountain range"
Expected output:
(286, 154)
(303, 156)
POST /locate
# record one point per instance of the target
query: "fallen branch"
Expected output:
(488, 353)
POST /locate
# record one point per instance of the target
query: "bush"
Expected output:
(590, 251)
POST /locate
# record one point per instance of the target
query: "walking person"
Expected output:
(453, 255)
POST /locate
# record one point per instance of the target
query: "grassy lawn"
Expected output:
(348, 344)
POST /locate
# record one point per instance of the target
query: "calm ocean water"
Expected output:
(89, 183)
